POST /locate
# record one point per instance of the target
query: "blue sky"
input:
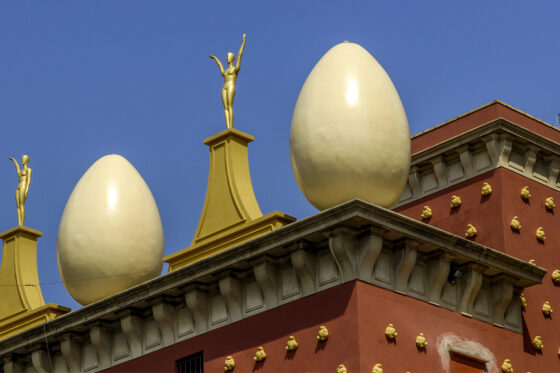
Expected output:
(79, 80)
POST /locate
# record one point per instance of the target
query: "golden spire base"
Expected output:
(231, 213)
(22, 305)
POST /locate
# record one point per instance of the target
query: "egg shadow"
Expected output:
(484, 198)
(515, 231)
(454, 210)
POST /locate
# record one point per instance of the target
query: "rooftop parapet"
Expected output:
(351, 241)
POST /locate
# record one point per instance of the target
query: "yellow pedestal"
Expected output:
(21, 300)
(231, 213)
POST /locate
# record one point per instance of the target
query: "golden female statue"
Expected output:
(230, 76)
(24, 176)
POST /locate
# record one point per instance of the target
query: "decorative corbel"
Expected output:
(369, 248)
(553, 169)
(506, 150)
(414, 181)
(406, 259)
(265, 274)
(472, 287)
(439, 271)
(530, 159)
(11, 365)
(440, 170)
(70, 346)
(304, 266)
(230, 288)
(164, 316)
(465, 157)
(100, 337)
(342, 245)
(41, 362)
(492, 144)
(197, 303)
(502, 294)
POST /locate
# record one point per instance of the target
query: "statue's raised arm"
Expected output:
(238, 64)
(220, 66)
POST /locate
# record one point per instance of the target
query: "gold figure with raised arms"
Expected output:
(24, 176)
(230, 77)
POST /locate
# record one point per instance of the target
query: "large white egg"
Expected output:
(110, 237)
(349, 136)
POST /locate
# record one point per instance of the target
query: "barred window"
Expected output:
(191, 364)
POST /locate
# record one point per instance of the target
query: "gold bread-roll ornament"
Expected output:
(390, 331)
(455, 201)
(471, 231)
(486, 189)
(260, 355)
(540, 234)
(229, 364)
(292, 344)
(377, 368)
(523, 301)
(549, 203)
(341, 369)
(323, 333)
(507, 367)
(515, 224)
(547, 309)
(426, 212)
(421, 341)
(525, 194)
(538, 343)
(556, 276)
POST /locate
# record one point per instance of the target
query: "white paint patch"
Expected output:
(447, 342)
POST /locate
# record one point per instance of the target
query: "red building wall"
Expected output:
(492, 217)
(356, 315)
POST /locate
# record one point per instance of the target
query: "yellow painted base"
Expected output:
(231, 214)
(21, 300)
(228, 239)
(28, 319)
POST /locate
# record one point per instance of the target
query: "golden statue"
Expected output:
(24, 176)
(230, 76)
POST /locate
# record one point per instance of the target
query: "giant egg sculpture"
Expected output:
(110, 237)
(349, 136)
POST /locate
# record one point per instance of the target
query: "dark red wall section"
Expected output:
(492, 217)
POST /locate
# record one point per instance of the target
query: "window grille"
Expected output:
(191, 364)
